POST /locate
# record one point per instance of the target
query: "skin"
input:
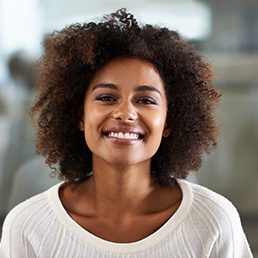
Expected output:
(124, 120)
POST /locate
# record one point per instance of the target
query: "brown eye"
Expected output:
(105, 98)
(147, 101)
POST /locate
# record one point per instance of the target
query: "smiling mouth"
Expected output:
(126, 136)
(120, 135)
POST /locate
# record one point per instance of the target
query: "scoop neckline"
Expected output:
(87, 238)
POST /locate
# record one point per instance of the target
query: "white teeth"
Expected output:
(124, 135)
(134, 136)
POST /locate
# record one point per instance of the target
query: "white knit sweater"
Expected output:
(205, 225)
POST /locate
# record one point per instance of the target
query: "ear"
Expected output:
(167, 128)
(81, 124)
(81, 120)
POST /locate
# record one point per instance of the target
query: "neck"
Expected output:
(125, 189)
(116, 194)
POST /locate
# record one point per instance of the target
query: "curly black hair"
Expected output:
(71, 58)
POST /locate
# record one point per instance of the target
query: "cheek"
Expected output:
(156, 127)
(158, 122)
(90, 116)
(91, 138)
(93, 120)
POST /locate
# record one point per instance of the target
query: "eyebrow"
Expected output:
(147, 88)
(105, 85)
(115, 87)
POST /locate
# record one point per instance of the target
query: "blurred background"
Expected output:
(226, 32)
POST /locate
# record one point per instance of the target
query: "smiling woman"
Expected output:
(124, 112)
(125, 97)
(74, 56)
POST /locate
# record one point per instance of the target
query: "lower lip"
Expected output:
(122, 140)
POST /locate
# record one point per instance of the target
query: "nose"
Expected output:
(125, 111)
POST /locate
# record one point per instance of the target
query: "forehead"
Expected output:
(130, 70)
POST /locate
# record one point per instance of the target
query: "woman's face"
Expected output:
(125, 112)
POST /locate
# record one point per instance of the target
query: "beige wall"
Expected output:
(233, 168)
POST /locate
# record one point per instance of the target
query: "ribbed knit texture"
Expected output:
(205, 225)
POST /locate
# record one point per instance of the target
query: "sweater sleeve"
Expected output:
(14, 243)
(231, 242)
(5, 243)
